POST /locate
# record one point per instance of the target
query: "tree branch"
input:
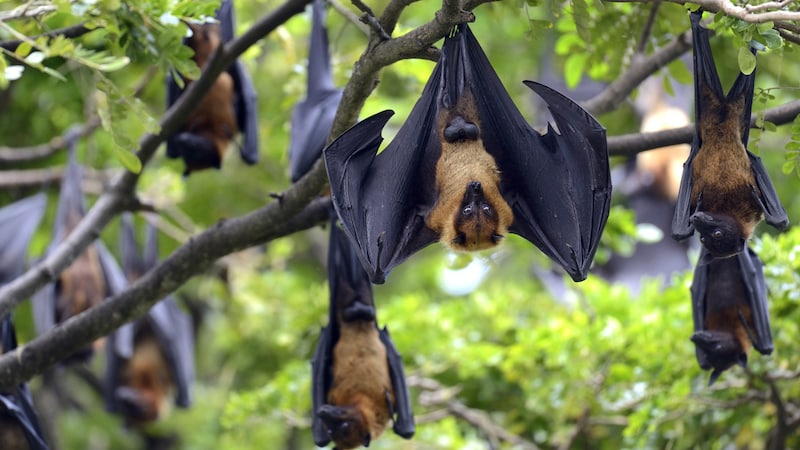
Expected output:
(22, 154)
(189, 259)
(631, 144)
(615, 93)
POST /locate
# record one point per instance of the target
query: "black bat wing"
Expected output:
(774, 214)
(18, 222)
(321, 379)
(404, 417)
(312, 118)
(173, 328)
(753, 276)
(383, 200)
(698, 291)
(558, 185)
(70, 202)
(18, 404)
(246, 101)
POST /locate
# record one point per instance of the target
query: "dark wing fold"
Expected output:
(404, 417)
(246, 106)
(173, 328)
(558, 185)
(753, 277)
(774, 214)
(698, 290)
(382, 200)
(18, 403)
(312, 118)
(18, 222)
(321, 363)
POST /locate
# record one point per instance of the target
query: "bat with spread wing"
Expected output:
(729, 308)
(312, 118)
(228, 108)
(19, 425)
(725, 190)
(358, 382)
(149, 362)
(466, 168)
(92, 276)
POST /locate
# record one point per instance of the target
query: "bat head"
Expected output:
(198, 151)
(345, 426)
(722, 350)
(477, 222)
(720, 234)
(204, 41)
(146, 389)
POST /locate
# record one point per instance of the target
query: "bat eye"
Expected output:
(467, 211)
(717, 234)
(487, 210)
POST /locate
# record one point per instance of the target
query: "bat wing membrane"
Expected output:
(18, 222)
(753, 276)
(404, 416)
(321, 382)
(383, 199)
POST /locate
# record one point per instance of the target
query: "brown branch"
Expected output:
(22, 154)
(93, 180)
(616, 92)
(440, 395)
(631, 144)
(189, 259)
(68, 32)
(32, 9)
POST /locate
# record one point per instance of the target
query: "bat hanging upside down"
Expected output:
(358, 380)
(725, 190)
(466, 169)
(228, 108)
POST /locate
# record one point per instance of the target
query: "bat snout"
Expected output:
(459, 129)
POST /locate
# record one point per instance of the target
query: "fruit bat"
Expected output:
(358, 382)
(466, 168)
(312, 118)
(729, 308)
(19, 425)
(92, 276)
(149, 362)
(228, 108)
(725, 190)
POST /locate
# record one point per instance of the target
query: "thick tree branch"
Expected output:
(119, 196)
(631, 144)
(189, 259)
(21, 154)
(616, 93)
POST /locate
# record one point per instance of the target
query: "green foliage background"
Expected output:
(536, 365)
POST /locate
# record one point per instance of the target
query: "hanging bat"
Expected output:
(466, 168)
(149, 362)
(725, 190)
(228, 108)
(92, 276)
(358, 382)
(729, 308)
(19, 425)
(312, 118)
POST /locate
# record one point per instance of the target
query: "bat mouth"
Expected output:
(459, 129)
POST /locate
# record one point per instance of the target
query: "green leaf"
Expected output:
(23, 49)
(573, 69)
(747, 61)
(789, 166)
(128, 159)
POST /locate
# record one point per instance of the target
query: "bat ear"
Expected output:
(367, 440)
(742, 361)
(714, 375)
